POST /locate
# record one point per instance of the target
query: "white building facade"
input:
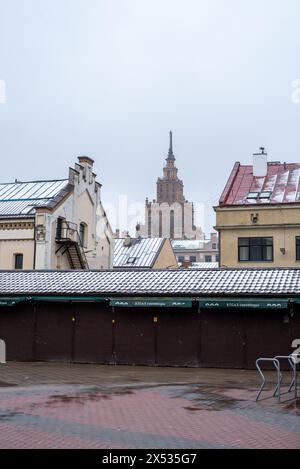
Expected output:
(57, 224)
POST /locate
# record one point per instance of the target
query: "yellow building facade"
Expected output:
(258, 216)
(281, 223)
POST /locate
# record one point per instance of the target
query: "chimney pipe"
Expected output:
(260, 163)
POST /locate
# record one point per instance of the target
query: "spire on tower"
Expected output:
(171, 154)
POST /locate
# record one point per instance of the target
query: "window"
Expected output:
(181, 259)
(160, 224)
(207, 258)
(214, 246)
(172, 224)
(18, 261)
(193, 259)
(297, 248)
(59, 234)
(217, 258)
(149, 223)
(82, 234)
(131, 260)
(252, 195)
(255, 249)
(265, 195)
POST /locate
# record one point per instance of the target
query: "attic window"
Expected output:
(252, 195)
(131, 260)
(265, 195)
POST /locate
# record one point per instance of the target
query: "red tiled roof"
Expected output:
(282, 181)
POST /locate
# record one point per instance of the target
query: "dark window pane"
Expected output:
(298, 248)
(18, 261)
(243, 241)
(255, 253)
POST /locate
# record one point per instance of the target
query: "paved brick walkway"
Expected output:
(130, 410)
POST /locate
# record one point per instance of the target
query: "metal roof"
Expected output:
(282, 182)
(141, 253)
(19, 199)
(204, 265)
(186, 244)
(231, 282)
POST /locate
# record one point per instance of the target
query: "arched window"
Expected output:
(149, 223)
(160, 224)
(172, 224)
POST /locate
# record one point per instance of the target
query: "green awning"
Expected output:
(151, 302)
(13, 301)
(246, 303)
(58, 299)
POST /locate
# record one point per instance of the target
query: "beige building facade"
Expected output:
(56, 224)
(258, 216)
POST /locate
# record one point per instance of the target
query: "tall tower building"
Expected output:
(170, 215)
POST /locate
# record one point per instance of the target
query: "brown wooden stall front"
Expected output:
(54, 332)
(222, 338)
(93, 333)
(134, 336)
(267, 335)
(177, 337)
(96, 332)
(17, 330)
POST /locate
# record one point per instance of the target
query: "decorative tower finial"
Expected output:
(170, 154)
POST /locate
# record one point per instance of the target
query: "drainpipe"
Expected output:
(34, 247)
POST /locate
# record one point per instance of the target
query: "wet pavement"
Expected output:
(50, 405)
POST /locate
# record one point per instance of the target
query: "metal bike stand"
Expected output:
(264, 380)
(293, 364)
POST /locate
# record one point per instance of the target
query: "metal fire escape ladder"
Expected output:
(68, 239)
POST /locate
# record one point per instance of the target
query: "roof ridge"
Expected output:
(30, 182)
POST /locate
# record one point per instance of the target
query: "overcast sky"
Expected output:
(110, 78)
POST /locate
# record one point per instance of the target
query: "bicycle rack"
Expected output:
(264, 380)
(293, 364)
(292, 361)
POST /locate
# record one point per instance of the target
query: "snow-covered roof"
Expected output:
(281, 185)
(204, 265)
(19, 199)
(187, 244)
(137, 252)
(176, 282)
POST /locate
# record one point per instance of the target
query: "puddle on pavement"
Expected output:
(293, 406)
(4, 384)
(7, 416)
(84, 398)
(215, 403)
(211, 399)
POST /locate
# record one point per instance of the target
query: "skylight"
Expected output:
(131, 260)
(252, 195)
(265, 195)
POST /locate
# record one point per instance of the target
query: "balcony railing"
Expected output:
(67, 234)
